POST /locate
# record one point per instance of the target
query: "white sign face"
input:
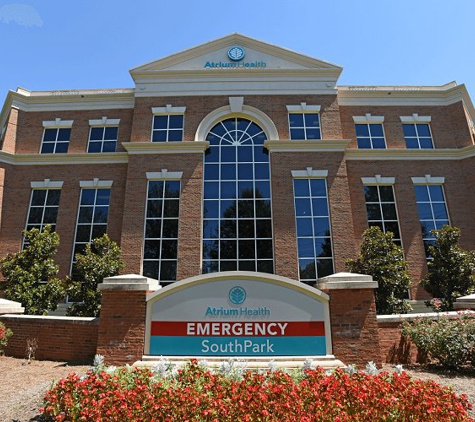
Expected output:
(237, 317)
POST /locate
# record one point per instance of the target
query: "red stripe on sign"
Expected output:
(237, 329)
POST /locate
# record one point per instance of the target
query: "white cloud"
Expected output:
(20, 13)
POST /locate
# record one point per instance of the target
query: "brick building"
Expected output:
(238, 155)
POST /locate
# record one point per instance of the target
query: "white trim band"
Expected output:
(378, 180)
(164, 175)
(428, 180)
(309, 173)
(47, 184)
(368, 118)
(57, 123)
(95, 183)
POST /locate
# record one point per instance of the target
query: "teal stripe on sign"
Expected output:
(237, 346)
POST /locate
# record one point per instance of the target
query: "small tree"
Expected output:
(381, 258)
(30, 275)
(451, 269)
(100, 259)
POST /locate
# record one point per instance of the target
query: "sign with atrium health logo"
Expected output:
(238, 316)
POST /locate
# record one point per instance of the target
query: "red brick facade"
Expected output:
(287, 80)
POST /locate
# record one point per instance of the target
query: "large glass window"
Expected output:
(43, 210)
(370, 135)
(161, 230)
(55, 141)
(417, 136)
(237, 225)
(103, 139)
(313, 229)
(167, 128)
(92, 217)
(432, 209)
(381, 210)
(304, 126)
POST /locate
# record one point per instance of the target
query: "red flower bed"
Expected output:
(196, 394)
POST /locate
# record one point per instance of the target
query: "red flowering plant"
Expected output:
(194, 393)
(5, 334)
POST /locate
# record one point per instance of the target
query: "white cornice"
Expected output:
(336, 145)
(70, 100)
(186, 147)
(63, 159)
(409, 154)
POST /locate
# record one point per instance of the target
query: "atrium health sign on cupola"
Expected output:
(238, 314)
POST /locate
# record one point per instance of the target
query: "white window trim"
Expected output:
(168, 109)
(104, 122)
(57, 123)
(368, 119)
(47, 184)
(415, 118)
(428, 180)
(95, 183)
(378, 180)
(164, 175)
(304, 108)
(309, 173)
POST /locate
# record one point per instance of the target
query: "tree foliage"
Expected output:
(381, 258)
(30, 275)
(451, 268)
(100, 259)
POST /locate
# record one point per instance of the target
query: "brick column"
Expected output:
(122, 320)
(353, 320)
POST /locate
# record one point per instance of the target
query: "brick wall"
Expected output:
(122, 327)
(355, 335)
(70, 339)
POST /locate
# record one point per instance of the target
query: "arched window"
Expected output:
(237, 226)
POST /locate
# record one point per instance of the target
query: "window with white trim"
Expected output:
(314, 241)
(160, 247)
(44, 205)
(168, 124)
(381, 210)
(369, 132)
(56, 136)
(417, 133)
(431, 206)
(103, 135)
(93, 213)
(304, 122)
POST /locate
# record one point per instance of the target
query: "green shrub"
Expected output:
(450, 340)
(5, 334)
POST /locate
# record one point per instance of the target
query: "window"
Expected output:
(168, 123)
(369, 132)
(417, 132)
(161, 230)
(417, 136)
(314, 241)
(304, 122)
(237, 225)
(103, 135)
(43, 209)
(92, 215)
(55, 141)
(432, 210)
(381, 208)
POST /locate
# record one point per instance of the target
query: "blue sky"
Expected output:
(51, 44)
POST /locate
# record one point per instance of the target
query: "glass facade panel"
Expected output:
(381, 210)
(313, 229)
(432, 209)
(237, 225)
(160, 250)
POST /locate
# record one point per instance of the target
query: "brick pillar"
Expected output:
(122, 320)
(354, 325)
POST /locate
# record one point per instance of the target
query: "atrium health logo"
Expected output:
(237, 295)
(236, 53)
